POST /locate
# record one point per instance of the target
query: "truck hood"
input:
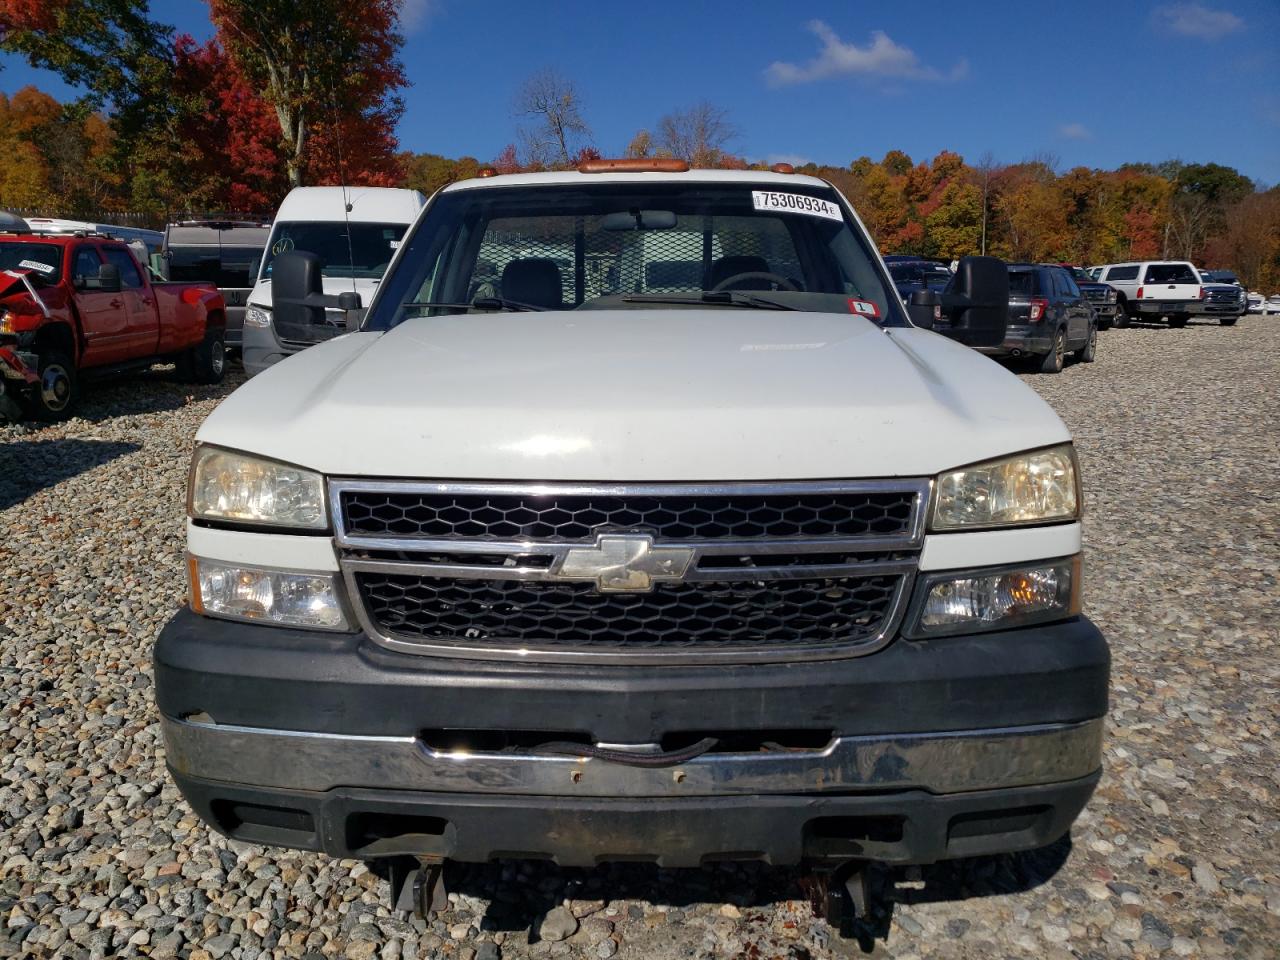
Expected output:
(721, 394)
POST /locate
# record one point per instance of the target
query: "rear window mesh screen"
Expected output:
(679, 259)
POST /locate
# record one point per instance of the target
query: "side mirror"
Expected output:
(977, 302)
(107, 280)
(297, 292)
(924, 307)
(299, 301)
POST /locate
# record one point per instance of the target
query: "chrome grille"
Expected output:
(1096, 294)
(774, 571)
(1223, 296)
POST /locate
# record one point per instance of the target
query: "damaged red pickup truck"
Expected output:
(77, 305)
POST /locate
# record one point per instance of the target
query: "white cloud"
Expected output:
(881, 58)
(1075, 131)
(414, 14)
(1196, 20)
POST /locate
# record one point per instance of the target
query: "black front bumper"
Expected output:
(261, 676)
(900, 827)
(254, 685)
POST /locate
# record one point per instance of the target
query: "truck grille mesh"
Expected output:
(675, 615)
(557, 517)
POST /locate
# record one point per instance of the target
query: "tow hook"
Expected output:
(417, 886)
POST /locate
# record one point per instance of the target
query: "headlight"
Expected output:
(1028, 488)
(240, 488)
(981, 600)
(257, 317)
(271, 596)
(1111, 296)
(6, 321)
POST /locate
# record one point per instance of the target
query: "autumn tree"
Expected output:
(329, 70)
(233, 137)
(110, 48)
(553, 130)
(698, 135)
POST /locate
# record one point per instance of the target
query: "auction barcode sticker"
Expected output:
(36, 265)
(795, 203)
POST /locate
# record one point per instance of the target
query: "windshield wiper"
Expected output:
(723, 298)
(483, 303)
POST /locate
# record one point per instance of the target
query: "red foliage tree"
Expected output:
(232, 131)
(329, 69)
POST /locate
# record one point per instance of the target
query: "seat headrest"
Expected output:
(727, 267)
(533, 280)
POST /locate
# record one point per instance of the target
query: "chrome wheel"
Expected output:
(55, 387)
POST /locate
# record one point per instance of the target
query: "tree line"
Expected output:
(308, 91)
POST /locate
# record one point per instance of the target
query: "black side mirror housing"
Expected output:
(924, 307)
(298, 298)
(107, 280)
(977, 303)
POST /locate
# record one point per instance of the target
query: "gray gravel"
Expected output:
(1177, 856)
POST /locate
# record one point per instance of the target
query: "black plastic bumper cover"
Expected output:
(263, 676)
(904, 827)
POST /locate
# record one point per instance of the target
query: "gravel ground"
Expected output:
(1178, 855)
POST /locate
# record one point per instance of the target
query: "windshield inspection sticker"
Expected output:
(795, 203)
(35, 265)
(865, 308)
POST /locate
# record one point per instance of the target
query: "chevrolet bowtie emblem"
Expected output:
(625, 562)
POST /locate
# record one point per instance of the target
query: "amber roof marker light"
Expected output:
(635, 165)
(783, 168)
(486, 172)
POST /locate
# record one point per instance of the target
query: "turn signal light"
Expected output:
(635, 165)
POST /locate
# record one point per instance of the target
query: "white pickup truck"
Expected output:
(585, 546)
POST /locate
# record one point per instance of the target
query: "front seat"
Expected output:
(727, 267)
(535, 281)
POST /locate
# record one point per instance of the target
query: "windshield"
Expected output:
(1171, 273)
(44, 260)
(345, 250)
(633, 245)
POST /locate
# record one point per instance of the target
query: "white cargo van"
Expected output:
(354, 231)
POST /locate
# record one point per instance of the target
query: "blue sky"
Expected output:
(1106, 83)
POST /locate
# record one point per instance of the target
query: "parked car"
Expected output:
(1154, 290)
(913, 273)
(606, 575)
(1272, 305)
(222, 252)
(78, 304)
(1050, 319)
(1225, 300)
(355, 232)
(1256, 300)
(1101, 295)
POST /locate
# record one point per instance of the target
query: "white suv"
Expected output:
(1152, 289)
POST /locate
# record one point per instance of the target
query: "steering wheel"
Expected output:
(777, 278)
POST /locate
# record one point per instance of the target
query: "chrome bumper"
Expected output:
(945, 762)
